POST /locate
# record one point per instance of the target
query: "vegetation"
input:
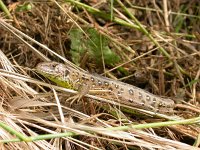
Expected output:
(153, 45)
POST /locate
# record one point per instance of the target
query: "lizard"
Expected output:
(76, 79)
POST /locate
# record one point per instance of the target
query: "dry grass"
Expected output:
(160, 51)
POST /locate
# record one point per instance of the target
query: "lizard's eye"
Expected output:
(62, 70)
(54, 65)
(66, 73)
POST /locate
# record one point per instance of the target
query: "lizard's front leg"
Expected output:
(82, 89)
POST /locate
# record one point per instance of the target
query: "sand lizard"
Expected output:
(73, 78)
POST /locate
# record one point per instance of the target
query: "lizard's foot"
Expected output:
(74, 98)
(83, 90)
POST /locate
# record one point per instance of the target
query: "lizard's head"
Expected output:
(56, 72)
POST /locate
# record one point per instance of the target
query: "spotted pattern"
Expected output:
(148, 98)
(154, 102)
(140, 95)
(99, 83)
(92, 79)
(125, 93)
(144, 98)
(106, 83)
(131, 92)
(116, 86)
(130, 100)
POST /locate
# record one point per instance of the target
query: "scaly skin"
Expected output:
(72, 78)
